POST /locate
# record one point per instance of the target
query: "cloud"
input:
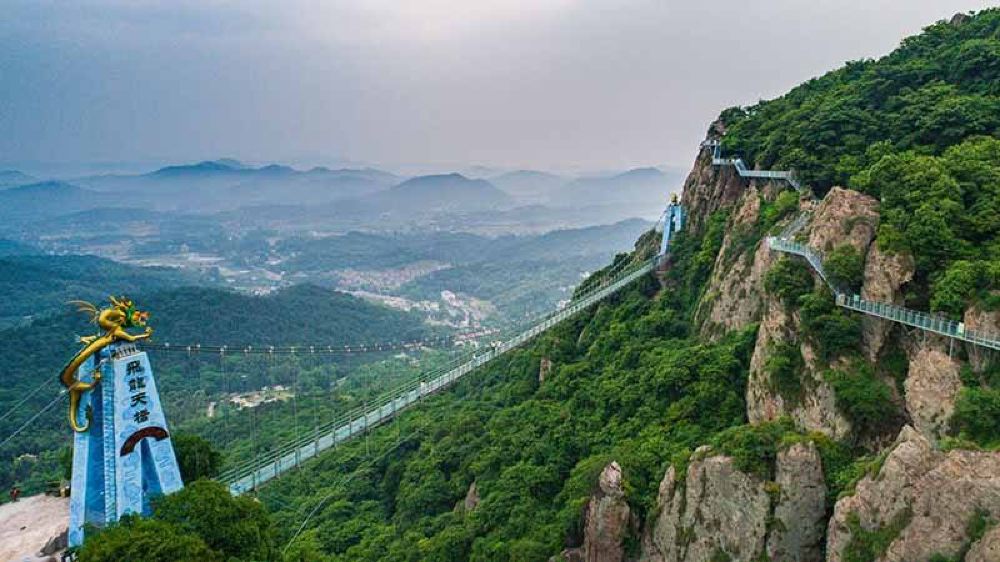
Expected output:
(583, 84)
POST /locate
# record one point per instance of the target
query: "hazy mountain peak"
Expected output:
(9, 178)
(642, 173)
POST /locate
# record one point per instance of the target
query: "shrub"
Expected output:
(783, 367)
(788, 279)
(845, 267)
(868, 546)
(977, 415)
(862, 397)
(832, 331)
(754, 448)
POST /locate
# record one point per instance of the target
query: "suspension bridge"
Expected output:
(785, 242)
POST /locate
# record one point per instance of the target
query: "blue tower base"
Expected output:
(125, 457)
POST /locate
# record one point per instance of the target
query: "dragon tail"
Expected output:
(87, 308)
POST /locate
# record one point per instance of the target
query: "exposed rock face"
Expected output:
(885, 275)
(932, 494)
(721, 509)
(707, 189)
(471, 501)
(801, 507)
(931, 389)
(735, 296)
(844, 216)
(980, 321)
(763, 403)
(815, 409)
(986, 549)
(544, 368)
(607, 520)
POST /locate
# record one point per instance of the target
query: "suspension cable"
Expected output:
(28, 396)
(62, 394)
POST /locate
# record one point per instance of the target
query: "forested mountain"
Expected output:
(36, 285)
(11, 178)
(728, 409)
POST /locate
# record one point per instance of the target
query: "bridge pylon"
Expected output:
(123, 456)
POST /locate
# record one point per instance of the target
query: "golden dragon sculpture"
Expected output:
(112, 321)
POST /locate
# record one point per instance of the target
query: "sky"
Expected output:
(561, 85)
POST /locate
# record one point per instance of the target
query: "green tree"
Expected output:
(238, 527)
(196, 457)
(134, 538)
(977, 415)
(845, 266)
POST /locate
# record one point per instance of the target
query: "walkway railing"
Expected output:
(744, 171)
(887, 311)
(262, 468)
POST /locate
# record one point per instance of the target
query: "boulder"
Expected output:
(844, 216)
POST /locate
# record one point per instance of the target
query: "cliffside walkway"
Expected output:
(886, 311)
(784, 242)
(743, 171)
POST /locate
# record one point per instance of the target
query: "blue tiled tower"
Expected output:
(125, 457)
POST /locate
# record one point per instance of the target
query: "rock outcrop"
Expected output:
(721, 511)
(980, 320)
(471, 501)
(814, 409)
(921, 501)
(844, 216)
(987, 549)
(707, 189)
(931, 389)
(544, 368)
(735, 296)
(801, 507)
(885, 276)
(607, 521)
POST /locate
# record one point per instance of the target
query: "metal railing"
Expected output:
(886, 311)
(744, 171)
(253, 472)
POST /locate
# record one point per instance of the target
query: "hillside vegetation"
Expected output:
(511, 464)
(917, 129)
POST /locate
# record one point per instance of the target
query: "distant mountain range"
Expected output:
(11, 178)
(358, 195)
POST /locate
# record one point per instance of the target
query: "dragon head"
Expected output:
(134, 318)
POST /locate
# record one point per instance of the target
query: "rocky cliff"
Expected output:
(718, 512)
(904, 497)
